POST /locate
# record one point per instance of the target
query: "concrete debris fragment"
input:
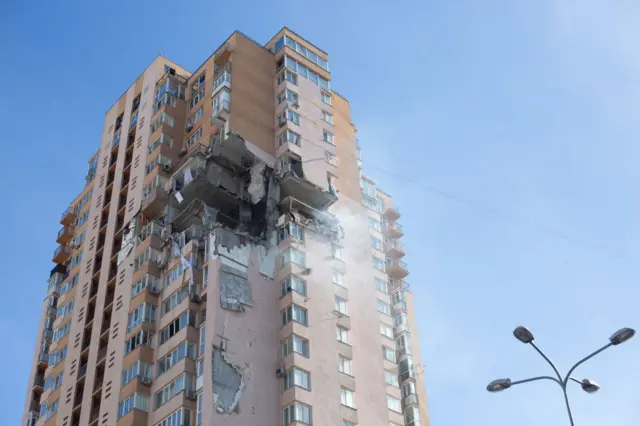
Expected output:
(257, 185)
(228, 382)
(235, 289)
(267, 259)
(233, 248)
(127, 242)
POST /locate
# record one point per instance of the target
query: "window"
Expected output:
(342, 334)
(294, 283)
(198, 83)
(327, 116)
(199, 410)
(312, 76)
(394, 404)
(137, 369)
(302, 50)
(138, 400)
(296, 412)
(382, 285)
(64, 310)
(287, 114)
(344, 365)
(407, 369)
(336, 252)
(295, 377)
(399, 319)
(184, 382)
(391, 378)
(61, 331)
(337, 278)
(67, 286)
(145, 312)
(294, 256)
(375, 224)
(166, 99)
(293, 230)
(195, 99)
(347, 423)
(327, 137)
(375, 242)
(187, 318)
(203, 339)
(348, 397)
(144, 282)
(174, 300)
(162, 118)
(48, 411)
(378, 264)
(386, 330)
(383, 307)
(287, 95)
(403, 341)
(177, 354)
(180, 417)
(330, 158)
(194, 137)
(53, 382)
(341, 305)
(294, 313)
(325, 97)
(205, 276)
(143, 337)
(195, 117)
(388, 354)
(57, 356)
(163, 139)
(288, 76)
(295, 344)
(288, 137)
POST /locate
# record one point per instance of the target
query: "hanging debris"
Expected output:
(235, 289)
(228, 382)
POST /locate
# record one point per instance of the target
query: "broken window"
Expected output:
(294, 313)
(143, 337)
(187, 318)
(293, 283)
(293, 230)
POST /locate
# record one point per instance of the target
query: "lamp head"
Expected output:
(523, 334)
(589, 386)
(499, 385)
(622, 335)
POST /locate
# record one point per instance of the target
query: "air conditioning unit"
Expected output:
(166, 167)
(154, 289)
(189, 128)
(280, 372)
(305, 271)
(195, 298)
(145, 380)
(189, 394)
(282, 123)
(295, 105)
(183, 151)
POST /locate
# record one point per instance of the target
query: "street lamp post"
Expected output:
(589, 386)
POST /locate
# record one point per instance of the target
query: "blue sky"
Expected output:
(524, 114)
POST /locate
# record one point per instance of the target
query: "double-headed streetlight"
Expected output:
(589, 386)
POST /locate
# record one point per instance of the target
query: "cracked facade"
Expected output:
(227, 262)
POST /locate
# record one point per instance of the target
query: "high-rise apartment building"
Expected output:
(226, 262)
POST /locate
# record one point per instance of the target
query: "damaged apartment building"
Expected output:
(227, 262)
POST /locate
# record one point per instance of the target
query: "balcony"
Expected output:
(54, 282)
(394, 230)
(154, 202)
(221, 109)
(65, 235)
(61, 254)
(411, 399)
(222, 82)
(43, 359)
(399, 306)
(38, 382)
(293, 184)
(391, 213)
(397, 268)
(68, 216)
(394, 249)
(32, 417)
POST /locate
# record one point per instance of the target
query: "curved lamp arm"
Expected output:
(534, 379)
(550, 363)
(588, 357)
